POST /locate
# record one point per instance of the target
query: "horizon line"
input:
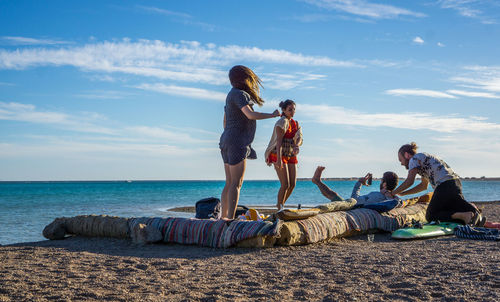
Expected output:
(187, 180)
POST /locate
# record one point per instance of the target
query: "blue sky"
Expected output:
(99, 90)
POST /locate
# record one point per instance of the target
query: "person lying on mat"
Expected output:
(388, 183)
(447, 202)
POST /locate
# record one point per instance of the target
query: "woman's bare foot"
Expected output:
(317, 175)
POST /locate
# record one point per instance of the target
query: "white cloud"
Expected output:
(104, 94)
(185, 61)
(418, 40)
(179, 17)
(440, 44)
(481, 77)
(334, 115)
(190, 92)
(419, 92)
(310, 18)
(469, 8)
(364, 8)
(474, 94)
(179, 135)
(478, 78)
(30, 41)
(289, 81)
(163, 11)
(279, 56)
(89, 122)
(102, 78)
(29, 113)
(60, 148)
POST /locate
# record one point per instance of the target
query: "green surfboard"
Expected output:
(428, 230)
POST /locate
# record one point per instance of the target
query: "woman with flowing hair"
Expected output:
(283, 149)
(239, 131)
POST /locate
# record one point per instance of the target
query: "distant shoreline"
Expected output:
(218, 180)
(402, 178)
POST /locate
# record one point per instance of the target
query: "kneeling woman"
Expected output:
(283, 149)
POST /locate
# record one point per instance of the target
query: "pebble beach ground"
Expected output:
(352, 269)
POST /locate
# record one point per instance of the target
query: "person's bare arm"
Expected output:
(422, 186)
(252, 115)
(410, 179)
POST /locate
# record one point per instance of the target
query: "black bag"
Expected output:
(240, 210)
(207, 208)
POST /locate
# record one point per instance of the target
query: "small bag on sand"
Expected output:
(207, 208)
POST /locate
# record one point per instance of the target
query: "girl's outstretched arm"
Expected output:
(252, 115)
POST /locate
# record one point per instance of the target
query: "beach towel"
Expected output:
(208, 232)
(347, 223)
(477, 233)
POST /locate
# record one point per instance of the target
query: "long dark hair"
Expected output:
(242, 77)
(284, 104)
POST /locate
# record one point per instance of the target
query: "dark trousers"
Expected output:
(446, 201)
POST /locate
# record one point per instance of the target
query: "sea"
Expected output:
(27, 207)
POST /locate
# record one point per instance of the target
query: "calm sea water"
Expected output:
(27, 207)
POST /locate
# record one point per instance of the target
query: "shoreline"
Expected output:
(267, 210)
(271, 209)
(78, 268)
(217, 180)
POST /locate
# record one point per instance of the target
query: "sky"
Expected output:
(135, 90)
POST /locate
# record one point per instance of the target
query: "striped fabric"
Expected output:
(477, 233)
(208, 232)
(337, 224)
(401, 214)
(324, 226)
(367, 219)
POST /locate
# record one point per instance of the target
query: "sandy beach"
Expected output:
(76, 269)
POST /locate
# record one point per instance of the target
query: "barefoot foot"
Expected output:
(317, 174)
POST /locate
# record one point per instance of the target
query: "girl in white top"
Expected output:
(283, 149)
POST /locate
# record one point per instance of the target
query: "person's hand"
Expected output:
(295, 150)
(279, 162)
(276, 113)
(363, 180)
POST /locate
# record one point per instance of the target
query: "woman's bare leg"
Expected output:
(292, 180)
(224, 197)
(325, 190)
(236, 172)
(283, 177)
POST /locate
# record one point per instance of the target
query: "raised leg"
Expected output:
(324, 189)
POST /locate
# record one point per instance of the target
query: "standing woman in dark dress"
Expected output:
(239, 131)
